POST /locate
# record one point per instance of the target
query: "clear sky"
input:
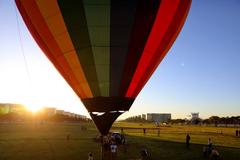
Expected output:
(201, 72)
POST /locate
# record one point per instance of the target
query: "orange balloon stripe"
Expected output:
(56, 25)
(41, 34)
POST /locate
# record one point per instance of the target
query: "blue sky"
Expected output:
(201, 72)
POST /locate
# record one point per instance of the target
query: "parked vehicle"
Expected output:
(118, 137)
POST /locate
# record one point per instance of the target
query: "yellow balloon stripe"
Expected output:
(53, 18)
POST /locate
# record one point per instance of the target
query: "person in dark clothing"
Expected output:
(68, 137)
(214, 154)
(188, 140)
(90, 156)
(210, 143)
(144, 131)
(205, 151)
(144, 154)
(121, 130)
(236, 132)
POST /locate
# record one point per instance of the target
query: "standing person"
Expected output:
(144, 154)
(113, 148)
(144, 131)
(209, 146)
(106, 147)
(205, 151)
(158, 132)
(210, 143)
(124, 144)
(188, 140)
(68, 137)
(90, 156)
(123, 139)
(215, 154)
(236, 132)
(121, 130)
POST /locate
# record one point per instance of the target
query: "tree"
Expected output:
(214, 120)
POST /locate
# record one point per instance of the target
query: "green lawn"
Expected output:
(48, 141)
(199, 134)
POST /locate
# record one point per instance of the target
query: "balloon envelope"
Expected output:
(105, 49)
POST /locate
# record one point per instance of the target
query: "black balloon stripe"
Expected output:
(145, 16)
(122, 19)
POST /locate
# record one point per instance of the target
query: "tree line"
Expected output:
(213, 120)
(28, 117)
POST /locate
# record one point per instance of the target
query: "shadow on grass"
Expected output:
(168, 150)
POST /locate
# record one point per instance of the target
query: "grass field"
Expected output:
(48, 142)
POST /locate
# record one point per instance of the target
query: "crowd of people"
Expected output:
(109, 147)
(208, 150)
(110, 142)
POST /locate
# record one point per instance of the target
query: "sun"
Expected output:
(31, 99)
(34, 109)
(32, 106)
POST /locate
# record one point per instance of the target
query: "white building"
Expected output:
(158, 117)
(194, 115)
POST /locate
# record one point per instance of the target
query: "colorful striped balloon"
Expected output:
(105, 49)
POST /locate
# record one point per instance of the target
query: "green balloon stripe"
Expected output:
(98, 22)
(75, 20)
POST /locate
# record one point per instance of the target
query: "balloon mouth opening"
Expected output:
(102, 113)
(104, 120)
(108, 104)
(105, 110)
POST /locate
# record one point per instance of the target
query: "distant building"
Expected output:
(158, 117)
(17, 108)
(194, 115)
(49, 111)
(67, 114)
(81, 116)
(72, 115)
(6, 108)
(143, 116)
(59, 112)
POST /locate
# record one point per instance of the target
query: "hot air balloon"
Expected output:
(105, 49)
